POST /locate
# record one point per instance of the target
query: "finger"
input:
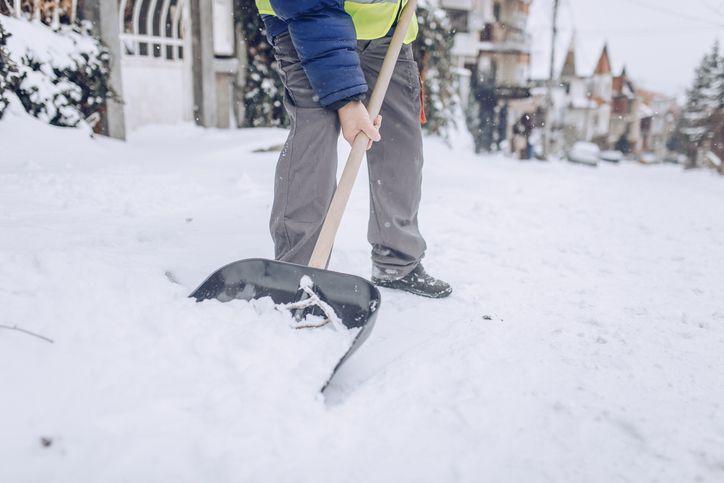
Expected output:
(372, 132)
(378, 122)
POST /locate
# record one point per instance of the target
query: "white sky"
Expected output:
(660, 41)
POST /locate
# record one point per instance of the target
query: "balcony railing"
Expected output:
(503, 37)
(50, 12)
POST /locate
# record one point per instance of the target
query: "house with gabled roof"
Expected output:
(583, 103)
(610, 110)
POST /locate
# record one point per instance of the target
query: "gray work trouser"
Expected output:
(306, 172)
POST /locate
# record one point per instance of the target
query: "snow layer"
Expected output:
(584, 340)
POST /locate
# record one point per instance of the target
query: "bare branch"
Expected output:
(24, 331)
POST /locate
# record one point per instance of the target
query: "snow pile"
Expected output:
(584, 340)
(61, 75)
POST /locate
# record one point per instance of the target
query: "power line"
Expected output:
(666, 10)
(717, 9)
(668, 31)
(672, 32)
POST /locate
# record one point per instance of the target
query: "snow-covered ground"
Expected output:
(584, 340)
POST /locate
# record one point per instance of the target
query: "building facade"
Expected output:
(492, 54)
(610, 110)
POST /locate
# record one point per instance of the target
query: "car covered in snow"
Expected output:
(611, 155)
(584, 153)
(648, 158)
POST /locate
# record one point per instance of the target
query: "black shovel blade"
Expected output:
(354, 299)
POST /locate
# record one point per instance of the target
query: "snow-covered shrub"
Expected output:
(263, 93)
(8, 72)
(433, 55)
(63, 72)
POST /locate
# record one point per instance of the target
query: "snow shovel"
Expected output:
(353, 300)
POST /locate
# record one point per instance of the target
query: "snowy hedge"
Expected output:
(59, 75)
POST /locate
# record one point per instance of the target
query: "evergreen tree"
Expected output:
(263, 92)
(432, 52)
(702, 100)
(717, 142)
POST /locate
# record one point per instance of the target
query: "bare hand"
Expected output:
(355, 119)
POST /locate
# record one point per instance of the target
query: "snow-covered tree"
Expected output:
(717, 120)
(264, 91)
(432, 52)
(697, 123)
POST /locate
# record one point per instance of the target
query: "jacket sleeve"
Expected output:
(324, 37)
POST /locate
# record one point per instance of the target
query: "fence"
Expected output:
(51, 12)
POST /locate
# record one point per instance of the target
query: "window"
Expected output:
(458, 20)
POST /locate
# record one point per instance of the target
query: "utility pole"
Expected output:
(548, 128)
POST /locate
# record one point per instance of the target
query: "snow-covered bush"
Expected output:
(63, 73)
(433, 55)
(263, 93)
(8, 73)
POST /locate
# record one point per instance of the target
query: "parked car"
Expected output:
(611, 155)
(584, 153)
(675, 158)
(648, 158)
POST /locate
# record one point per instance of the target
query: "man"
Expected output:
(330, 53)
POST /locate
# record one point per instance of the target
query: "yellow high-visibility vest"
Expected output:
(372, 18)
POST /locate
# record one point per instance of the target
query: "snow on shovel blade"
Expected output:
(354, 300)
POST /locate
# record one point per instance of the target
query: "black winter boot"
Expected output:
(418, 282)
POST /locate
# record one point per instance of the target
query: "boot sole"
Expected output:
(412, 291)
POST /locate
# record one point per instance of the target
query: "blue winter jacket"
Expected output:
(325, 39)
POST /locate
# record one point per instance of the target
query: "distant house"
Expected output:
(656, 115)
(601, 92)
(582, 104)
(610, 110)
(625, 129)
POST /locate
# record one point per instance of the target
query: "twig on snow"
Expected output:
(24, 331)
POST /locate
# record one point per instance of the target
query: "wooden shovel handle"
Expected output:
(344, 188)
